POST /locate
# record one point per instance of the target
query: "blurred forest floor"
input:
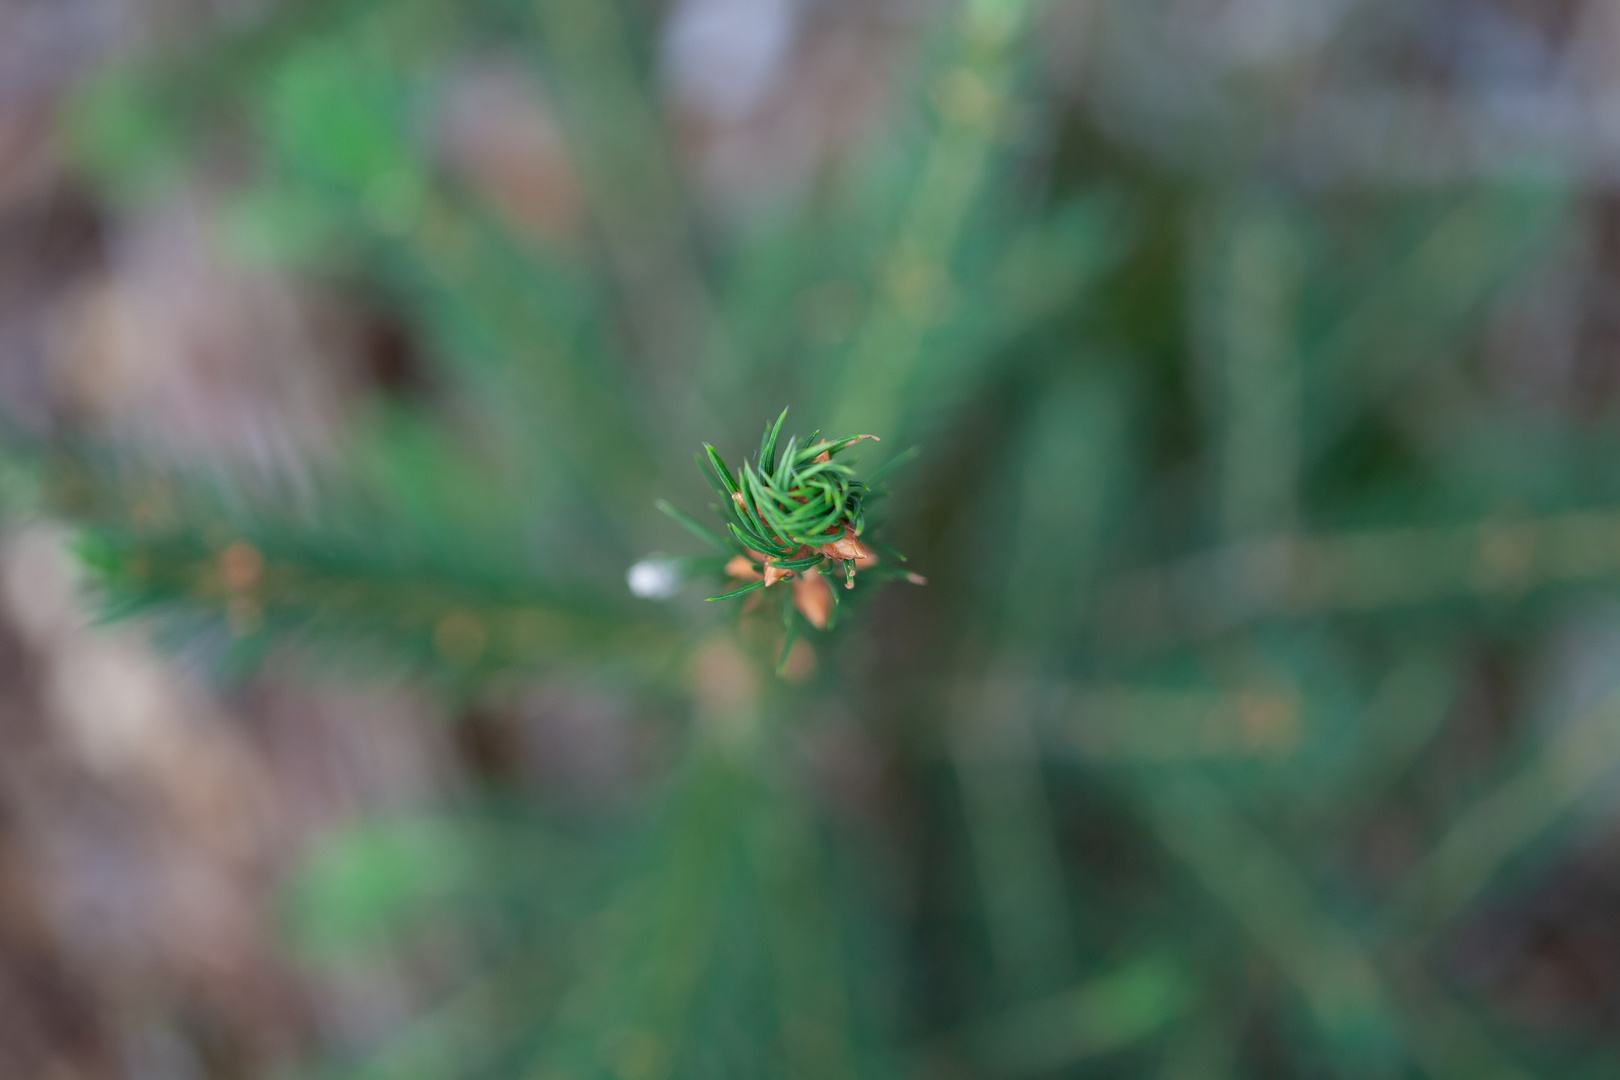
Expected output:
(147, 819)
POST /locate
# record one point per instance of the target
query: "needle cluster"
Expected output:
(796, 513)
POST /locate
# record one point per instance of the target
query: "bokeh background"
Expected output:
(1259, 718)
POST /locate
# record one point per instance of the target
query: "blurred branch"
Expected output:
(356, 597)
(635, 196)
(646, 957)
(1251, 278)
(1360, 1009)
(1408, 709)
(495, 315)
(1010, 832)
(1410, 317)
(1484, 836)
(913, 276)
(1302, 576)
(1126, 724)
(1272, 900)
(1071, 478)
(810, 979)
(1134, 1002)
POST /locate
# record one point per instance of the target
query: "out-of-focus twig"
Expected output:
(1485, 835)
(635, 199)
(913, 276)
(1106, 1013)
(1304, 576)
(1355, 1001)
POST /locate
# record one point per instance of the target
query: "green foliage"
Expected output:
(365, 887)
(796, 512)
(1179, 768)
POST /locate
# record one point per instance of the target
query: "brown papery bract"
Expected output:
(742, 567)
(849, 546)
(814, 598)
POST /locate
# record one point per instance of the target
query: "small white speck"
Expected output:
(655, 578)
